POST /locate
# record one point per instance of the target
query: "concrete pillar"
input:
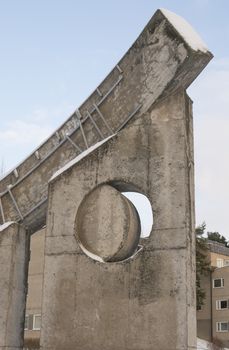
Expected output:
(144, 302)
(14, 249)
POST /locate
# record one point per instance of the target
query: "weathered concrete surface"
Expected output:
(159, 62)
(146, 302)
(107, 224)
(14, 249)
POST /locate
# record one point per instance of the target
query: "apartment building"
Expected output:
(213, 317)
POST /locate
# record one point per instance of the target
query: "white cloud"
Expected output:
(18, 138)
(19, 132)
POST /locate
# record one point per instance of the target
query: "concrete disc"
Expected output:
(107, 224)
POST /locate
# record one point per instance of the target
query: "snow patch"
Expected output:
(90, 254)
(205, 345)
(5, 225)
(79, 157)
(191, 37)
(202, 344)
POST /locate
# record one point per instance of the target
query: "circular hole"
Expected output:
(144, 209)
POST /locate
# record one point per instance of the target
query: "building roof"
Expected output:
(219, 248)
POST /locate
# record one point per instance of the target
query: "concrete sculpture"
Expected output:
(104, 286)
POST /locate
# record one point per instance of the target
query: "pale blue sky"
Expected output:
(53, 53)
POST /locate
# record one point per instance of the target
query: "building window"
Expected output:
(32, 322)
(221, 326)
(218, 283)
(219, 263)
(226, 262)
(26, 325)
(221, 304)
(36, 322)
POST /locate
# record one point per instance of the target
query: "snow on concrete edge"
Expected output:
(191, 37)
(79, 157)
(6, 224)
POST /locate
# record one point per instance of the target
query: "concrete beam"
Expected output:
(160, 62)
